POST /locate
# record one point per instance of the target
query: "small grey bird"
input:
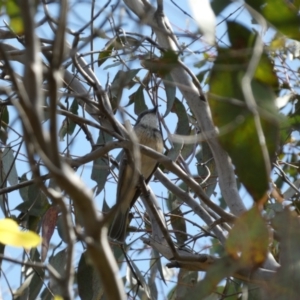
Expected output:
(148, 134)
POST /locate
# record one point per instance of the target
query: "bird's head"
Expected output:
(148, 118)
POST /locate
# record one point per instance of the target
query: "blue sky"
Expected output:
(182, 25)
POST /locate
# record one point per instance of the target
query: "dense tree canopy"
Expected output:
(220, 217)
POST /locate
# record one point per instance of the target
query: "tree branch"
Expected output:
(162, 28)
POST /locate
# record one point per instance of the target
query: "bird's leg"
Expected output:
(143, 186)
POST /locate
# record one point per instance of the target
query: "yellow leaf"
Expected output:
(57, 297)
(11, 235)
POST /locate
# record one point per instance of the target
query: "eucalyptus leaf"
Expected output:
(100, 169)
(170, 89)
(89, 283)
(138, 99)
(9, 166)
(241, 137)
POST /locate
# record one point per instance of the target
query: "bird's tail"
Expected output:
(119, 226)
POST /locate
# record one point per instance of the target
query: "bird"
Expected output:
(148, 134)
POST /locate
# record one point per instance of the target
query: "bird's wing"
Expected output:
(127, 184)
(138, 190)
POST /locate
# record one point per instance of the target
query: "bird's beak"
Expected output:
(155, 108)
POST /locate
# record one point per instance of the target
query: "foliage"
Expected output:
(12, 236)
(220, 218)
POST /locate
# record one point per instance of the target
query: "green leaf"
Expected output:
(61, 230)
(105, 206)
(266, 75)
(179, 225)
(285, 284)
(105, 54)
(24, 190)
(170, 89)
(221, 269)
(182, 127)
(68, 126)
(119, 254)
(37, 199)
(163, 65)
(238, 132)
(2, 250)
(32, 209)
(14, 13)
(200, 63)
(34, 281)
(240, 37)
(219, 5)
(100, 169)
(249, 239)
(36, 203)
(207, 167)
(156, 255)
(171, 202)
(116, 64)
(175, 151)
(152, 285)
(188, 149)
(187, 281)
(4, 121)
(74, 110)
(9, 166)
(201, 75)
(281, 14)
(116, 43)
(139, 100)
(142, 280)
(216, 248)
(58, 261)
(89, 283)
(122, 79)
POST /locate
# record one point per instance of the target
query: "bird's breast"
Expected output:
(152, 139)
